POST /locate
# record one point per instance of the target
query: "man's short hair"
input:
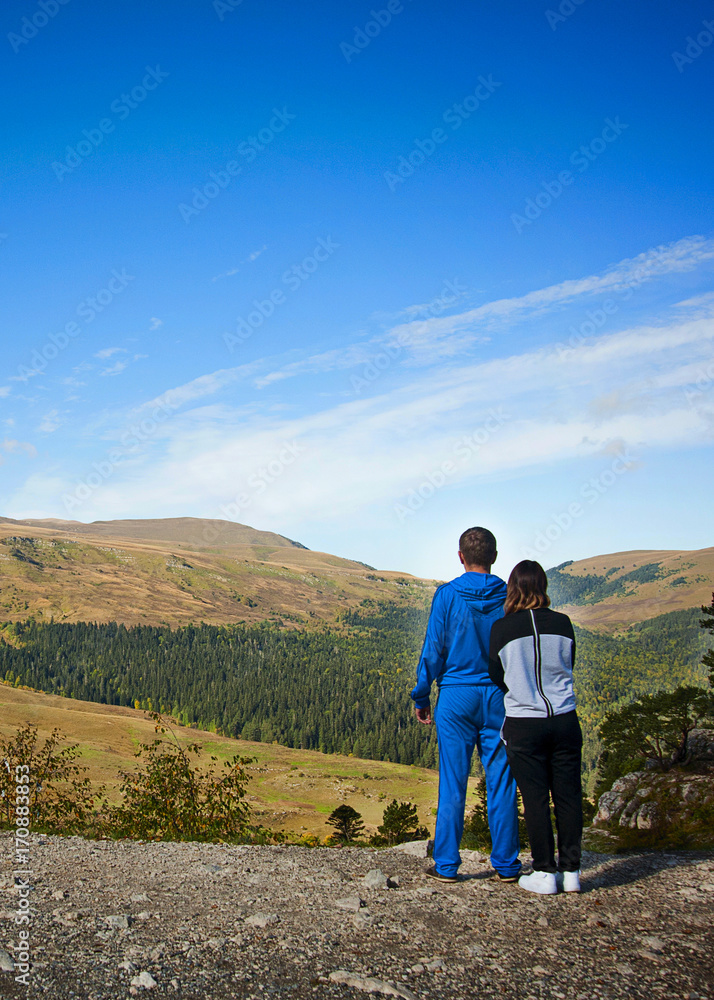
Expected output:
(478, 547)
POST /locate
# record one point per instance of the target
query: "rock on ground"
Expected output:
(242, 922)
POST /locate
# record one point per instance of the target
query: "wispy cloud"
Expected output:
(50, 422)
(109, 352)
(5, 390)
(116, 369)
(12, 446)
(616, 390)
(248, 260)
(684, 255)
(155, 323)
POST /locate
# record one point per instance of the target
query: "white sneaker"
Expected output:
(571, 881)
(541, 882)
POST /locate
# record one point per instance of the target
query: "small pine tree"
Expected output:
(347, 823)
(400, 822)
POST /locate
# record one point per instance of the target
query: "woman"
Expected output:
(532, 652)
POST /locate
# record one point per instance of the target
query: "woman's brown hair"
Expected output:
(527, 588)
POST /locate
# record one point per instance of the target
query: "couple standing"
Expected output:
(503, 663)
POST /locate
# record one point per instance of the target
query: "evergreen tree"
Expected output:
(347, 823)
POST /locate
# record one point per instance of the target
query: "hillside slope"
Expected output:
(289, 789)
(176, 571)
(610, 593)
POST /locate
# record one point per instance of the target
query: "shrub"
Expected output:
(61, 798)
(170, 799)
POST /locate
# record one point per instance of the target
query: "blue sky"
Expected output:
(362, 275)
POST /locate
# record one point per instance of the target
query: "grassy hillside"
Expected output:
(610, 593)
(179, 570)
(289, 790)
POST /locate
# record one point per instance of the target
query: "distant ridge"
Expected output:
(195, 531)
(613, 592)
(180, 570)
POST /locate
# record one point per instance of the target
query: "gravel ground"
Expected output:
(216, 921)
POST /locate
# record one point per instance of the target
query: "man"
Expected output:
(470, 709)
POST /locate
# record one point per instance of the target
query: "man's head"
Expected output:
(477, 550)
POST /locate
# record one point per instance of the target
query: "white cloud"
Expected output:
(5, 390)
(155, 323)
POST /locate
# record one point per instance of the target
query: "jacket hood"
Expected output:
(483, 592)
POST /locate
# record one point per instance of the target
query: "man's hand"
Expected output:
(423, 715)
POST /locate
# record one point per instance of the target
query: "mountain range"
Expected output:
(176, 571)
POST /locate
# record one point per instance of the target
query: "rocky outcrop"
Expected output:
(675, 806)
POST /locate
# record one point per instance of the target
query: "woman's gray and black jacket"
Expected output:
(531, 659)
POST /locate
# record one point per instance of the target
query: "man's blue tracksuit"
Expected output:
(469, 714)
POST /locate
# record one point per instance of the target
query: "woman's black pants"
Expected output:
(544, 757)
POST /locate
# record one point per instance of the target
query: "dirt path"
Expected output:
(212, 921)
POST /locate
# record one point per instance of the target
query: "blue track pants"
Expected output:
(468, 717)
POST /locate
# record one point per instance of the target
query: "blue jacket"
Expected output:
(457, 637)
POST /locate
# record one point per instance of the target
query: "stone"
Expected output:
(368, 984)
(263, 920)
(653, 943)
(375, 879)
(648, 816)
(139, 897)
(144, 979)
(6, 962)
(118, 921)
(363, 919)
(59, 894)
(351, 903)
(542, 922)
(417, 848)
